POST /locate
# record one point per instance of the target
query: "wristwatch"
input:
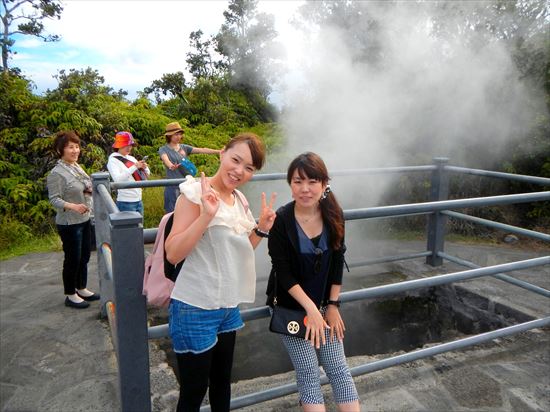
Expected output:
(260, 233)
(334, 302)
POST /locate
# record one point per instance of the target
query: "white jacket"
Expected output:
(120, 173)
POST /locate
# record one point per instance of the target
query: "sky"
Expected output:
(131, 42)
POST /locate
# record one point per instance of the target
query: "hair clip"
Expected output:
(326, 192)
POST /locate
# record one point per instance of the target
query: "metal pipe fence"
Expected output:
(279, 176)
(501, 276)
(283, 390)
(160, 331)
(430, 207)
(120, 238)
(544, 181)
(496, 225)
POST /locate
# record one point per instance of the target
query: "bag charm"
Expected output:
(288, 322)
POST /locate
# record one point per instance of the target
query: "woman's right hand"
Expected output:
(209, 198)
(77, 207)
(315, 328)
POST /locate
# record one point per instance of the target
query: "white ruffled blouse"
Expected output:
(220, 271)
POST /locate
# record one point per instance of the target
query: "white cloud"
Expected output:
(132, 43)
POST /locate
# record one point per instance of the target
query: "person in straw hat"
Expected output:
(171, 154)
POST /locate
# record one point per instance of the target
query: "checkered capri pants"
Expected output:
(306, 364)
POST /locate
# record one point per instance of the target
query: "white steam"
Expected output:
(426, 97)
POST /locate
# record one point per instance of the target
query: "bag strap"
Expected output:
(128, 163)
(242, 198)
(162, 228)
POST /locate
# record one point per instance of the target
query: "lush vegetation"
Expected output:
(213, 106)
(229, 93)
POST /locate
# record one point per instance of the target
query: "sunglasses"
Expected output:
(318, 260)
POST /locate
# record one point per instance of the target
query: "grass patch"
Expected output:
(471, 239)
(35, 244)
(153, 206)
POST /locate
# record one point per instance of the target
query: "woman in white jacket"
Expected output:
(126, 168)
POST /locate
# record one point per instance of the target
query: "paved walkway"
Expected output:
(54, 358)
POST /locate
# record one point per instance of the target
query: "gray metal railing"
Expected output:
(120, 238)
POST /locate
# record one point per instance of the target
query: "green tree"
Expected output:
(79, 86)
(360, 27)
(199, 62)
(247, 43)
(29, 16)
(172, 85)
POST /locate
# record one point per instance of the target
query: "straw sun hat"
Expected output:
(172, 128)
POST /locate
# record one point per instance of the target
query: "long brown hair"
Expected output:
(310, 166)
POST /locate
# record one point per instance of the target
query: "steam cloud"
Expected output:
(429, 96)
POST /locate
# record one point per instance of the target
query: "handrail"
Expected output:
(105, 249)
(283, 390)
(544, 181)
(385, 259)
(430, 207)
(395, 288)
(279, 176)
(395, 210)
(124, 228)
(106, 196)
(500, 276)
(384, 290)
(498, 225)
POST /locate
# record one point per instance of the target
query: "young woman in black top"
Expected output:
(306, 245)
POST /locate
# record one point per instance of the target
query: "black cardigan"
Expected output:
(284, 250)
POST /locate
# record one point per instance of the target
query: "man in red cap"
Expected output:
(126, 168)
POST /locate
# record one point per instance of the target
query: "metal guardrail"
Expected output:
(283, 390)
(121, 271)
(506, 278)
(430, 207)
(160, 331)
(544, 181)
(496, 225)
(280, 176)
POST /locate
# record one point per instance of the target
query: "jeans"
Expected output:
(197, 330)
(130, 206)
(171, 194)
(76, 241)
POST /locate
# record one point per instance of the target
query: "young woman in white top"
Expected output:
(216, 234)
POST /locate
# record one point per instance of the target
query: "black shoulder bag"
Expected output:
(291, 322)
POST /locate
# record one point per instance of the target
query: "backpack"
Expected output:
(157, 287)
(159, 274)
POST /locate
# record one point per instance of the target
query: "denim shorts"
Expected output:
(196, 330)
(130, 206)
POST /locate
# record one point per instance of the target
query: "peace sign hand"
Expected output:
(209, 198)
(267, 214)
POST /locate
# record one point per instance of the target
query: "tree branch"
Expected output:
(16, 5)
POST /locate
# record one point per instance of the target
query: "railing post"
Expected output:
(439, 190)
(132, 344)
(102, 235)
